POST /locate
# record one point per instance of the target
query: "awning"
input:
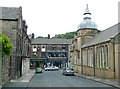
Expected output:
(37, 59)
(57, 59)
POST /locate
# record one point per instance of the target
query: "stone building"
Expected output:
(95, 52)
(13, 25)
(26, 49)
(50, 52)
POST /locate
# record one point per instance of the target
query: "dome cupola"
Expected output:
(87, 23)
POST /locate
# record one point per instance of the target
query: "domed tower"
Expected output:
(87, 29)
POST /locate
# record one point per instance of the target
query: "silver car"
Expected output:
(68, 71)
(52, 68)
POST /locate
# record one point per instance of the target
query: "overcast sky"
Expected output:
(60, 16)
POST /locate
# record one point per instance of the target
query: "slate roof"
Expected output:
(51, 41)
(30, 36)
(10, 13)
(103, 36)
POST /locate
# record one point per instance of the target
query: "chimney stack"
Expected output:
(48, 36)
(33, 35)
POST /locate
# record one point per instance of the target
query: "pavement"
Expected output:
(27, 78)
(110, 82)
(22, 81)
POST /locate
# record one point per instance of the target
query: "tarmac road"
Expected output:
(56, 79)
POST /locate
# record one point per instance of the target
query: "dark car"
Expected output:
(68, 71)
(38, 70)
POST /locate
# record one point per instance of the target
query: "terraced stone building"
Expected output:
(13, 25)
(94, 52)
(50, 52)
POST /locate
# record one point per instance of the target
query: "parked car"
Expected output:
(38, 70)
(68, 71)
(52, 68)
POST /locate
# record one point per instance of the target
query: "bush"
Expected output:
(5, 45)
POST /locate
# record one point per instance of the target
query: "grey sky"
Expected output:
(59, 16)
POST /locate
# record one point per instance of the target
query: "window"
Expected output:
(78, 54)
(42, 55)
(34, 49)
(103, 59)
(106, 57)
(53, 47)
(75, 57)
(88, 57)
(91, 57)
(84, 57)
(63, 47)
(98, 57)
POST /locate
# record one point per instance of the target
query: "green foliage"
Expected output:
(40, 37)
(5, 45)
(67, 35)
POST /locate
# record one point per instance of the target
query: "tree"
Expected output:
(5, 45)
(40, 37)
(67, 35)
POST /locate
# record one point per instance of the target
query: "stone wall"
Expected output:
(16, 30)
(5, 70)
(10, 29)
(103, 69)
(25, 66)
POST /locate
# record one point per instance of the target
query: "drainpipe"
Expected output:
(81, 61)
(118, 64)
(112, 42)
(114, 58)
(94, 59)
(118, 44)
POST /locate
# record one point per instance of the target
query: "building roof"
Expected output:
(10, 13)
(87, 10)
(103, 36)
(30, 36)
(51, 41)
(87, 22)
